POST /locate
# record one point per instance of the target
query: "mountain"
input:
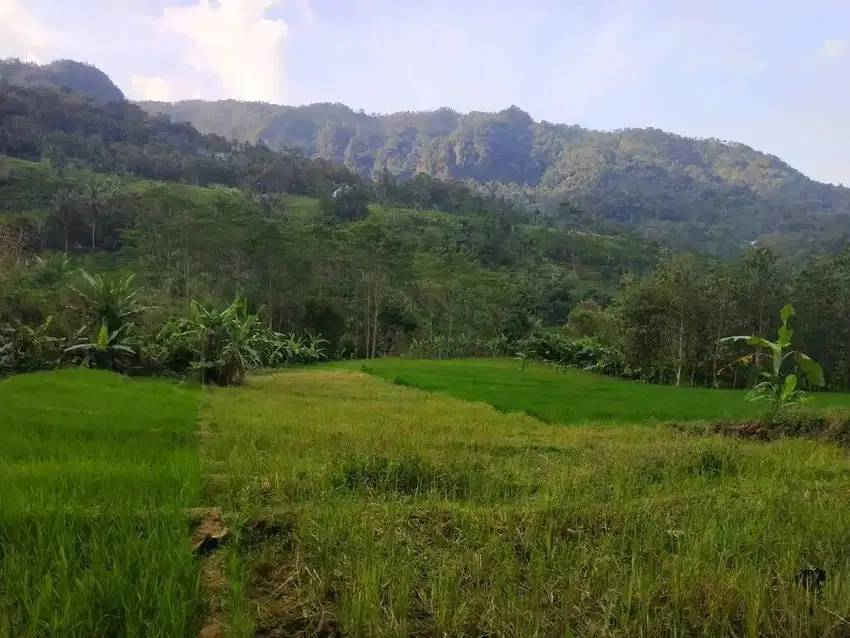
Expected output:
(74, 130)
(702, 193)
(62, 74)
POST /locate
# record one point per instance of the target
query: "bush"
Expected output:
(832, 425)
(459, 346)
(585, 353)
(27, 349)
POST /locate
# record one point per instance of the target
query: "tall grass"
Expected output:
(95, 474)
(572, 396)
(374, 509)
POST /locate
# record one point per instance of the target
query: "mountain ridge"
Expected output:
(693, 193)
(697, 190)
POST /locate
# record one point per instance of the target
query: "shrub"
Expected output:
(27, 349)
(585, 353)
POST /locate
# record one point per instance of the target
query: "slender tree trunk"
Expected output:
(680, 355)
(375, 326)
(94, 215)
(366, 321)
(270, 294)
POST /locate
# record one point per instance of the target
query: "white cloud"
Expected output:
(833, 49)
(154, 88)
(21, 33)
(235, 42)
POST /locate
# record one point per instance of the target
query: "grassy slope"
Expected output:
(571, 397)
(390, 511)
(95, 474)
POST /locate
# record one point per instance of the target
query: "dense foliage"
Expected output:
(105, 327)
(671, 326)
(66, 75)
(390, 266)
(371, 286)
(698, 193)
(75, 130)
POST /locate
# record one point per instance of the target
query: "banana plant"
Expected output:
(779, 389)
(313, 349)
(106, 351)
(225, 342)
(25, 348)
(109, 301)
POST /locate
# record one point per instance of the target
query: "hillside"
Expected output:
(462, 276)
(700, 193)
(62, 74)
(71, 129)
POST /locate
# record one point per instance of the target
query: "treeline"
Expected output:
(700, 194)
(76, 130)
(401, 281)
(667, 326)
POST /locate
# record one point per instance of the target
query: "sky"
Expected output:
(770, 73)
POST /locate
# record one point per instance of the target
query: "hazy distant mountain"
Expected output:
(62, 74)
(699, 191)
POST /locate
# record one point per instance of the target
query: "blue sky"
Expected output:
(773, 74)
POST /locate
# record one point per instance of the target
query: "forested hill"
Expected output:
(62, 74)
(699, 193)
(198, 217)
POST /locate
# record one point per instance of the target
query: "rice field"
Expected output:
(573, 396)
(96, 473)
(359, 506)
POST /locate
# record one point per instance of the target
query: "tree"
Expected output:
(97, 193)
(346, 204)
(225, 342)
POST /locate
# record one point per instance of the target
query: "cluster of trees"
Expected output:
(371, 285)
(73, 130)
(101, 323)
(379, 267)
(701, 194)
(670, 325)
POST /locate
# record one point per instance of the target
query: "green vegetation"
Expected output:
(216, 346)
(62, 74)
(421, 275)
(569, 397)
(698, 193)
(363, 507)
(372, 509)
(779, 388)
(96, 473)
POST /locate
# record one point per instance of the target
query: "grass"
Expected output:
(95, 474)
(362, 507)
(572, 397)
(372, 509)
